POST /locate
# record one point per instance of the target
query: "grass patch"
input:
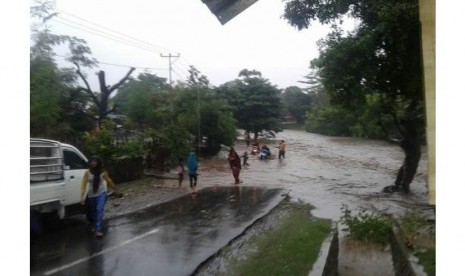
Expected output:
(421, 236)
(427, 258)
(289, 249)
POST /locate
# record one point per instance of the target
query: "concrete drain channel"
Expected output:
(399, 263)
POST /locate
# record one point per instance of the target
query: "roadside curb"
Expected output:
(404, 263)
(327, 262)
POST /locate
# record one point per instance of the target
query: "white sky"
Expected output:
(257, 38)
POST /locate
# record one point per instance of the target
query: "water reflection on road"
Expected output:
(328, 172)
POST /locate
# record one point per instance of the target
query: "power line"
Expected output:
(120, 37)
(106, 33)
(98, 33)
(177, 74)
(120, 65)
(181, 71)
(111, 30)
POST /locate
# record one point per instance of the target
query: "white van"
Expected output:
(56, 172)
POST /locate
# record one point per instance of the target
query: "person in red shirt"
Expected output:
(235, 163)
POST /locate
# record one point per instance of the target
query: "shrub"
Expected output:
(366, 227)
(124, 162)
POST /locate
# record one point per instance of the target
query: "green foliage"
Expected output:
(169, 116)
(44, 41)
(131, 149)
(47, 90)
(101, 142)
(56, 104)
(366, 227)
(123, 161)
(427, 258)
(374, 71)
(143, 87)
(297, 102)
(421, 235)
(415, 224)
(216, 120)
(289, 249)
(339, 120)
(332, 120)
(256, 103)
(169, 143)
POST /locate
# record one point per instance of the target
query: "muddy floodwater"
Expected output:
(328, 172)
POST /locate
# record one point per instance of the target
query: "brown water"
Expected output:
(328, 172)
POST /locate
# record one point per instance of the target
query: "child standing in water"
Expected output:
(180, 170)
(246, 157)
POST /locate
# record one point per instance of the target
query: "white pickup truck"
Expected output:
(56, 172)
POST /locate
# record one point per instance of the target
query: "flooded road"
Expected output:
(328, 172)
(174, 237)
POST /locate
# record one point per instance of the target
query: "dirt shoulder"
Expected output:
(142, 193)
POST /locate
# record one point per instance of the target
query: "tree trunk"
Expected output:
(411, 145)
(255, 134)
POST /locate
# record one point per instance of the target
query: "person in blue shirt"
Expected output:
(192, 167)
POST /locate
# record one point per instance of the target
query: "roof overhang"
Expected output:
(226, 10)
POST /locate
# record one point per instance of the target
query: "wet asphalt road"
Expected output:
(168, 239)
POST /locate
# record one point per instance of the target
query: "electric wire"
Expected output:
(121, 38)
(111, 30)
(120, 65)
(86, 29)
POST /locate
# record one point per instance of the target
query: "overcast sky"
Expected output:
(258, 38)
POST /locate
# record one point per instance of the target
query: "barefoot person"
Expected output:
(192, 167)
(235, 163)
(93, 183)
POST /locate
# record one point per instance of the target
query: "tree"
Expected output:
(100, 100)
(144, 82)
(297, 102)
(54, 101)
(204, 113)
(47, 90)
(142, 99)
(382, 56)
(79, 55)
(255, 101)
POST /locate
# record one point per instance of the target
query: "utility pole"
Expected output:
(169, 56)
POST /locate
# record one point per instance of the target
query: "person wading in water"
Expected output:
(235, 163)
